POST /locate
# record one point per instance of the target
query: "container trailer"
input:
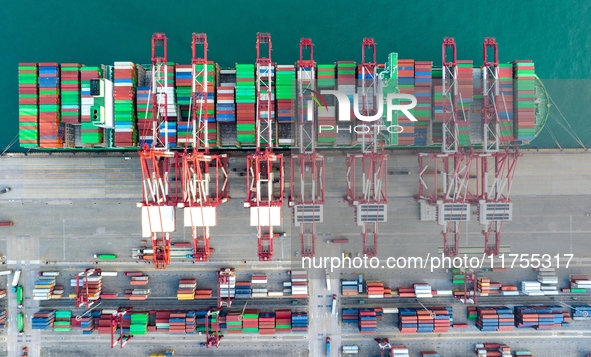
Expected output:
(6, 272)
(6, 223)
(19, 296)
(20, 320)
(15, 280)
(49, 273)
(334, 304)
(328, 347)
(105, 256)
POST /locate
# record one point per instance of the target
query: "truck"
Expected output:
(338, 241)
(6, 272)
(350, 350)
(49, 273)
(6, 223)
(15, 279)
(326, 272)
(19, 296)
(20, 320)
(328, 347)
(105, 256)
(334, 304)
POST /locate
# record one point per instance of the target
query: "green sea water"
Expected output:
(554, 34)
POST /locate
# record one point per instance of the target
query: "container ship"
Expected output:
(71, 106)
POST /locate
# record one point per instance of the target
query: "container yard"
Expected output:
(131, 232)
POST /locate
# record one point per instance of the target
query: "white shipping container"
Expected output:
(275, 293)
(390, 310)
(109, 273)
(5, 272)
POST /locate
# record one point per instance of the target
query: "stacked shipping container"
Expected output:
(504, 103)
(70, 93)
(539, 317)
(49, 106)
(346, 85)
(406, 85)
(423, 82)
(463, 100)
(124, 107)
(495, 319)
(28, 100)
(326, 116)
(524, 89)
(245, 104)
(90, 135)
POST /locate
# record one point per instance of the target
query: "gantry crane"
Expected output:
(226, 280)
(306, 189)
(470, 277)
(444, 178)
(204, 175)
(214, 337)
(82, 293)
(159, 164)
(117, 322)
(264, 168)
(384, 344)
(369, 169)
(498, 159)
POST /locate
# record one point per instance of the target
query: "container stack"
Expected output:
(283, 320)
(200, 103)
(140, 280)
(145, 116)
(509, 290)
(419, 320)
(326, 134)
(139, 323)
(90, 134)
(483, 286)
(234, 321)
(259, 288)
(532, 288)
(346, 85)
(492, 350)
(581, 312)
(49, 106)
(441, 106)
(28, 105)
(245, 104)
(186, 290)
(547, 277)
(299, 284)
(42, 319)
(504, 103)
(137, 294)
(286, 107)
(91, 286)
(524, 83)
(63, 321)
(429, 354)
(368, 322)
(250, 320)
(243, 289)
(203, 294)
(400, 351)
(406, 291)
(200, 320)
(225, 106)
(350, 315)
(458, 276)
(406, 85)
(299, 321)
(184, 87)
(423, 82)
(422, 290)
(463, 100)
(44, 288)
(190, 322)
(70, 93)
(522, 353)
(87, 325)
(267, 323)
(228, 289)
(375, 289)
(105, 325)
(349, 287)
(124, 94)
(58, 292)
(495, 319)
(539, 317)
(579, 283)
(176, 322)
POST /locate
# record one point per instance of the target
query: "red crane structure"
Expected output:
(204, 175)
(306, 189)
(384, 344)
(214, 336)
(227, 282)
(444, 178)
(117, 324)
(498, 160)
(264, 168)
(159, 164)
(458, 178)
(367, 172)
(82, 292)
(470, 277)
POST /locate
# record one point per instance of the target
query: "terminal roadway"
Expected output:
(66, 208)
